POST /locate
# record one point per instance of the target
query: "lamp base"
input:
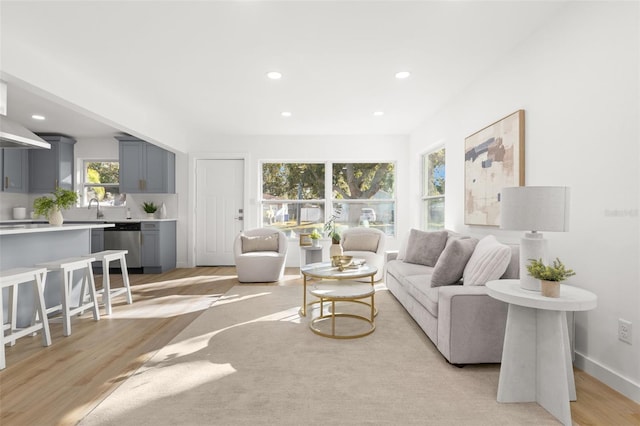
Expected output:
(532, 246)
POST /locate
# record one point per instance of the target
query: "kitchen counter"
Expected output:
(31, 228)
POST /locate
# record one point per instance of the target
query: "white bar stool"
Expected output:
(67, 267)
(108, 293)
(11, 279)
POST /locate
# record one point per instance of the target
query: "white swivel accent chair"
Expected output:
(365, 243)
(260, 255)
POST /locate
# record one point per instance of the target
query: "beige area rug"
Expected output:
(251, 360)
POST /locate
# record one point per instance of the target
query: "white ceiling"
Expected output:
(204, 62)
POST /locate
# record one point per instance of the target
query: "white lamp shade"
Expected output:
(535, 208)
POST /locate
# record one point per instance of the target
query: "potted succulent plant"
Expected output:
(50, 207)
(149, 208)
(550, 276)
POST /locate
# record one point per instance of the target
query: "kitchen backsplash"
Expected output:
(134, 203)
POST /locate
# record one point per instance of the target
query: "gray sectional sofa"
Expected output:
(463, 321)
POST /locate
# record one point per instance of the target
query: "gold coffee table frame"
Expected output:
(324, 270)
(346, 291)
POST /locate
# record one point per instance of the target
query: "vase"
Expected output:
(335, 250)
(151, 215)
(315, 242)
(550, 288)
(55, 217)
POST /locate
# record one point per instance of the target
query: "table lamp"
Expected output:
(534, 209)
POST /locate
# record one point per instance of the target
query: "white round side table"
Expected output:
(536, 360)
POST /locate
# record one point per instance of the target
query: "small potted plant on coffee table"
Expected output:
(550, 276)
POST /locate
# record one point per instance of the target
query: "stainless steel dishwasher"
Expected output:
(126, 236)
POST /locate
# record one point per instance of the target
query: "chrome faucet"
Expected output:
(99, 214)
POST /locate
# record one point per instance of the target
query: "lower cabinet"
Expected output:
(97, 244)
(158, 250)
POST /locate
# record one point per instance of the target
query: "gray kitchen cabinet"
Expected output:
(158, 250)
(15, 170)
(145, 168)
(51, 168)
(97, 244)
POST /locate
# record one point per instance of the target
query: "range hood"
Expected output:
(14, 135)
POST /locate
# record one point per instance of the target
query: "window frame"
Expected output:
(329, 201)
(83, 200)
(425, 197)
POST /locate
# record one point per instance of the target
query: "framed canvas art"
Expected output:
(493, 159)
(305, 240)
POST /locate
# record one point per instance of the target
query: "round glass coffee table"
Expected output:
(342, 291)
(324, 271)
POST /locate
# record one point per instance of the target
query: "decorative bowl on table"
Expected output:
(342, 262)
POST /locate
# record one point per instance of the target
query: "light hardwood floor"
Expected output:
(60, 384)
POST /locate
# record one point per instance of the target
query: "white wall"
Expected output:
(577, 80)
(300, 148)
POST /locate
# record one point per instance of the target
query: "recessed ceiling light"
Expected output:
(378, 113)
(274, 75)
(402, 75)
(38, 117)
(285, 114)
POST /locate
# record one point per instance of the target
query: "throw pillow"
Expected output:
(451, 263)
(488, 262)
(260, 243)
(424, 248)
(361, 242)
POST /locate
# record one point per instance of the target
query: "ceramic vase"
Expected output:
(550, 288)
(55, 217)
(315, 242)
(335, 250)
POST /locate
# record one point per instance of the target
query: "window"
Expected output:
(297, 198)
(293, 197)
(433, 183)
(101, 181)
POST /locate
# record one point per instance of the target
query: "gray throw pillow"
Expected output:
(451, 263)
(260, 243)
(424, 248)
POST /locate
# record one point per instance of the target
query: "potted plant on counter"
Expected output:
(149, 208)
(50, 207)
(550, 276)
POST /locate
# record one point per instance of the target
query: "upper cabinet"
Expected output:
(145, 168)
(51, 168)
(15, 170)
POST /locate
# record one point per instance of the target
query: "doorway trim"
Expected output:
(248, 213)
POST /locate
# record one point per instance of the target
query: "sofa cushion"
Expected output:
(424, 248)
(260, 243)
(451, 263)
(488, 262)
(419, 286)
(361, 242)
(513, 270)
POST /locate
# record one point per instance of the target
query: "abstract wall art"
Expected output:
(493, 159)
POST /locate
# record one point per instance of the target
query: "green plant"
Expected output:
(556, 272)
(62, 199)
(149, 207)
(315, 235)
(331, 227)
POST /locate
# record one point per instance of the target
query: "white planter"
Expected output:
(55, 217)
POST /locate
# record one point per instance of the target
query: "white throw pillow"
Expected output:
(260, 243)
(488, 262)
(360, 242)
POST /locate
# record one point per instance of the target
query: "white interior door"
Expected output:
(219, 210)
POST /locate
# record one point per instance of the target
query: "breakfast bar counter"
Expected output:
(26, 245)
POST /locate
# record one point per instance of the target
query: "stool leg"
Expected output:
(125, 278)
(66, 318)
(13, 309)
(92, 292)
(3, 362)
(106, 287)
(41, 308)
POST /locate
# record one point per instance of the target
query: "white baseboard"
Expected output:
(614, 380)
